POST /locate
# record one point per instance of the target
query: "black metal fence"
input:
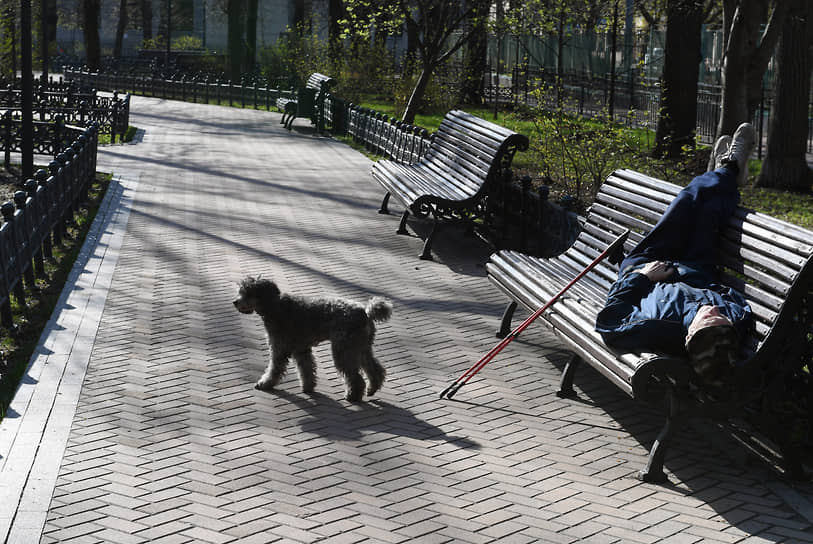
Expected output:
(50, 137)
(199, 88)
(634, 101)
(64, 100)
(37, 219)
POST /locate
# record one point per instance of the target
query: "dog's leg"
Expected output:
(274, 372)
(347, 363)
(374, 371)
(354, 386)
(306, 366)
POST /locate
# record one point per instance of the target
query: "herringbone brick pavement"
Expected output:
(170, 443)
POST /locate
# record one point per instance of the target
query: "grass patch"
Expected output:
(16, 348)
(129, 134)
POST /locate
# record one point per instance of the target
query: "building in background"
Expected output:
(202, 19)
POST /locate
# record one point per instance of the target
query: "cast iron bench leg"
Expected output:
(384, 209)
(653, 473)
(505, 322)
(426, 254)
(566, 390)
(402, 225)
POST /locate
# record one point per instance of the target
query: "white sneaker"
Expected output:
(718, 151)
(742, 144)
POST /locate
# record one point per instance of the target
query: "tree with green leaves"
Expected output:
(436, 27)
(561, 20)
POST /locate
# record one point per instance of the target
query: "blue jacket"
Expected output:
(644, 315)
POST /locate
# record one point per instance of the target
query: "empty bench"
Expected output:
(451, 182)
(768, 260)
(306, 102)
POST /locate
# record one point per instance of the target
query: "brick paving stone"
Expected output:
(166, 440)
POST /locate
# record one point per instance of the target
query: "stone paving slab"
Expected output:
(138, 421)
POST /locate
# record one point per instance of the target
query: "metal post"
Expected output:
(169, 33)
(44, 42)
(27, 136)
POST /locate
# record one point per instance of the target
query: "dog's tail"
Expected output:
(379, 309)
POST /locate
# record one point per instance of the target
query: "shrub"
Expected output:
(187, 43)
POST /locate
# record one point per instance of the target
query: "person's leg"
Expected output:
(688, 229)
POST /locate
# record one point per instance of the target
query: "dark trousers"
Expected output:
(689, 230)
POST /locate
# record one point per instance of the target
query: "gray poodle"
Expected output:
(296, 324)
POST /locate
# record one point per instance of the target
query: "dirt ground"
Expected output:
(9, 183)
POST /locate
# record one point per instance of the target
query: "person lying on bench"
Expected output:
(667, 297)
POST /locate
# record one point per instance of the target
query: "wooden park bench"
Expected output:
(466, 156)
(305, 102)
(766, 259)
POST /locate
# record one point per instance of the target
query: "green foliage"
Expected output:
(296, 56)
(438, 98)
(187, 43)
(6, 43)
(159, 43)
(365, 68)
(577, 154)
(362, 16)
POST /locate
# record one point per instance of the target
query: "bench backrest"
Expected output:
(471, 152)
(770, 261)
(319, 82)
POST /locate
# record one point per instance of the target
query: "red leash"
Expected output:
(450, 391)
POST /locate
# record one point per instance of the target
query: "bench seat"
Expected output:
(768, 260)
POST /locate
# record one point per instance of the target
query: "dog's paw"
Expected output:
(353, 397)
(264, 385)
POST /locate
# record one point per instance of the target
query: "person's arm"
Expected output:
(624, 298)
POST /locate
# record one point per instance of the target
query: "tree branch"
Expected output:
(650, 20)
(767, 44)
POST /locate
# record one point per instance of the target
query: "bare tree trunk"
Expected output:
(8, 18)
(90, 31)
(560, 48)
(613, 43)
(476, 51)
(235, 39)
(417, 94)
(785, 165)
(120, 28)
(251, 36)
(746, 57)
(146, 19)
(682, 57)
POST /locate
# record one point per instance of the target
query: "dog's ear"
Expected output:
(271, 289)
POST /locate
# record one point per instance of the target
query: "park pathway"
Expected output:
(138, 422)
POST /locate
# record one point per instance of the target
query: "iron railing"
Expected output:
(38, 216)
